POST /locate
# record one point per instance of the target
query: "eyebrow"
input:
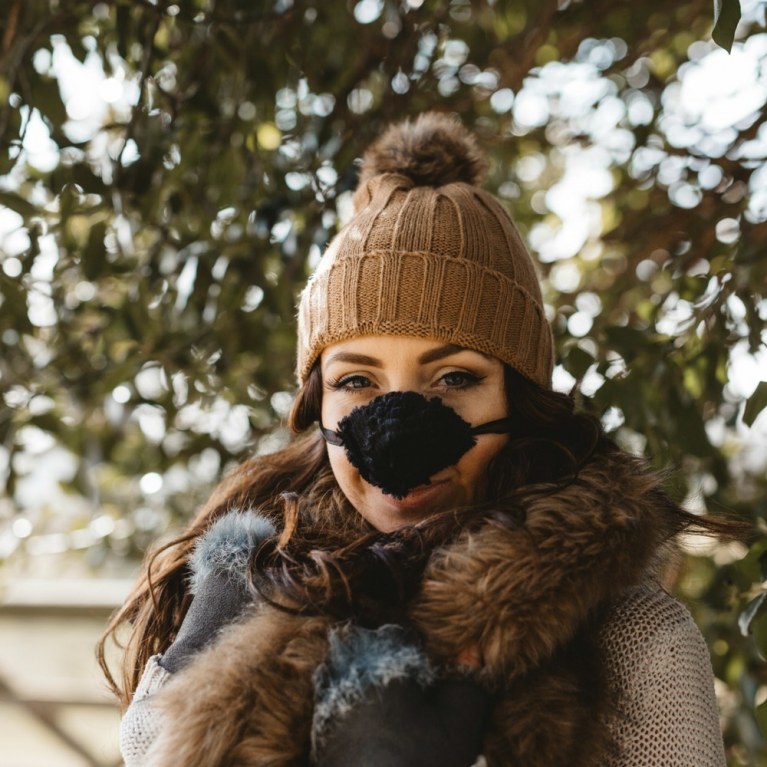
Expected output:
(357, 359)
(432, 355)
(439, 353)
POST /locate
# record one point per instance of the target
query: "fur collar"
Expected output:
(529, 597)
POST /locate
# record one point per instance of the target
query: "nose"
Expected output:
(403, 381)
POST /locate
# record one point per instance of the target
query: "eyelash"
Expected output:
(467, 379)
(347, 383)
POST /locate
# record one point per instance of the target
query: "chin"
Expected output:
(387, 513)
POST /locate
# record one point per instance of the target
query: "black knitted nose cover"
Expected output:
(401, 439)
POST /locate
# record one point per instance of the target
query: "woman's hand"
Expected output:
(407, 725)
(218, 568)
(377, 703)
(218, 601)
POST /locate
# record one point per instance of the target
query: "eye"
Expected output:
(350, 382)
(459, 379)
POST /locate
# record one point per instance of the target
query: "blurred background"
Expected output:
(170, 172)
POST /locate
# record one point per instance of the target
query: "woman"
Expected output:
(455, 566)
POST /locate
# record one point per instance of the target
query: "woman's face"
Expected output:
(356, 371)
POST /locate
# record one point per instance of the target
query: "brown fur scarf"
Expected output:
(530, 598)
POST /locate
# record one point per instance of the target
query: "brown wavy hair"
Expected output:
(326, 557)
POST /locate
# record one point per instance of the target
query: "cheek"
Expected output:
(347, 477)
(326, 414)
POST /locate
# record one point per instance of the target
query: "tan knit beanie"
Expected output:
(428, 254)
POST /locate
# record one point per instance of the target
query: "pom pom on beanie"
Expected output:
(433, 150)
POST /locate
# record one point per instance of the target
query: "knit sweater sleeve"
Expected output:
(140, 724)
(659, 671)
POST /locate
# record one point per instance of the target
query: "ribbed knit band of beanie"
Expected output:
(430, 254)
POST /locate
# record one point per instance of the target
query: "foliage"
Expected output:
(155, 235)
(726, 18)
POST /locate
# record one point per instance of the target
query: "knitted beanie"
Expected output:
(428, 254)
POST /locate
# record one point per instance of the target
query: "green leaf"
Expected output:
(756, 403)
(726, 18)
(748, 615)
(123, 24)
(87, 179)
(46, 97)
(627, 341)
(578, 361)
(688, 423)
(19, 204)
(759, 630)
(94, 254)
(761, 717)
(14, 303)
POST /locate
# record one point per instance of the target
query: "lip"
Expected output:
(418, 496)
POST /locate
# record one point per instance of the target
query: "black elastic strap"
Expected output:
(331, 437)
(500, 426)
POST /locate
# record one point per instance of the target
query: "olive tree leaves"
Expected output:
(726, 18)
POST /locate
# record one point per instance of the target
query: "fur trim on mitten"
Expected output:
(219, 582)
(360, 659)
(227, 546)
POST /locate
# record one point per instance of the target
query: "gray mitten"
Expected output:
(218, 582)
(378, 704)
